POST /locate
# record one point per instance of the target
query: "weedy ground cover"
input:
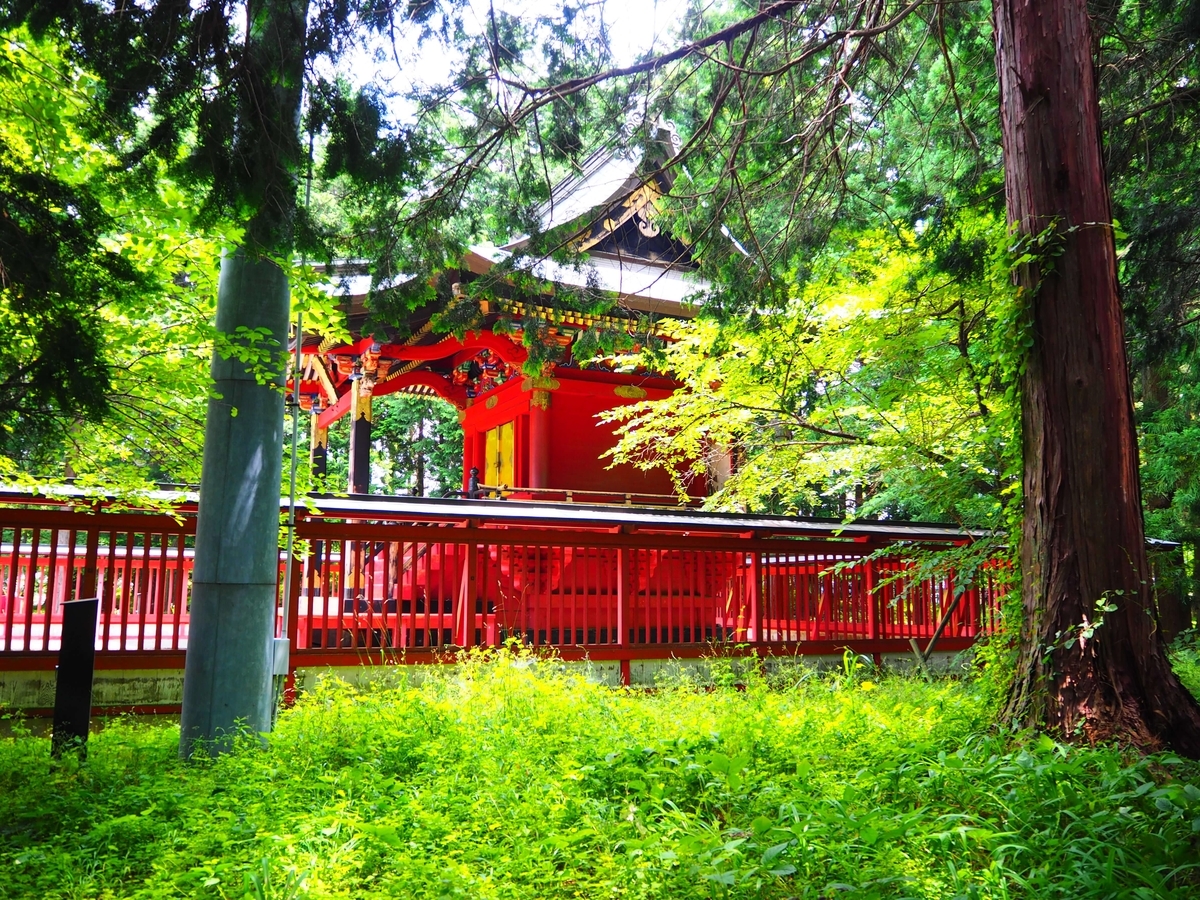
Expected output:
(1186, 660)
(511, 777)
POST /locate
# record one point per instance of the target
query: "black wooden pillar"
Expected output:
(318, 449)
(76, 665)
(360, 441)
(318, 458)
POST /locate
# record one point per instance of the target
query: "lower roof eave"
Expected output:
(587, 515)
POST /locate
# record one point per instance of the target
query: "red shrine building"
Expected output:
(535, 436)
(402, 579)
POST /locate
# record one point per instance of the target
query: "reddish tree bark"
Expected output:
(1091, 663)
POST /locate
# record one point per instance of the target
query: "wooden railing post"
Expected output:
(974, 616)
(872, 601)
(622, 597)
(949, 597)
(467, 596)
(90, 578)
(291, 629)
(754, 626)
(623, 622)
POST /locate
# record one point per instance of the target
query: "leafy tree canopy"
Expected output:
(839, 146)
(880, 378)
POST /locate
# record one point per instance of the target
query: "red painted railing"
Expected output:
(410, 585)
(139, 565)
(604, 596)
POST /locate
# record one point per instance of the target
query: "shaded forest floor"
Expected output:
(510, 778)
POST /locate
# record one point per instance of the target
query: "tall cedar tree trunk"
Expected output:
(1084, 546)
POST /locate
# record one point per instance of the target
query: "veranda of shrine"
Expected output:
(545, 545)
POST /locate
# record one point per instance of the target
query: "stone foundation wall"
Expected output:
(110, 688)
(163, 688)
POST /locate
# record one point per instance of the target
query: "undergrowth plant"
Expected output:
(1185, 657)
(514, 777)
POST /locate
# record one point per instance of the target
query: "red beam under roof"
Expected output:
(503, 347)
(509, 513)
(335, 412)
(453, 393)
(506, 349)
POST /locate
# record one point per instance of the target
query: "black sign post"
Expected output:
(76, 663)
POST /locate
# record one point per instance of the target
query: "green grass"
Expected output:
(511, 779)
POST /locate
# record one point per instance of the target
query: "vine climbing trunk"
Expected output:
(227, 675)
(1091, 662)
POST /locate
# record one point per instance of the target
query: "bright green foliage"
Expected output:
(109, 266)
(107, 300)
(1151, 103)
(1149, 73)
(55, 272)
(108, 303)
(798, 145)
(421, 443)
(884, 374)
(507, 778)
(1169, 434)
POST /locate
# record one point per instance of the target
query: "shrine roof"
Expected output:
(640, 285)
(576, 515)
(604, 177)
(518, 512)
(609, 175)
(611, 201)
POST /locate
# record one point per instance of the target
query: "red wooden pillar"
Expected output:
(623, 609)
(360, 483)
(292, 627)
(754, 626)
(467, 595)
(90, 569)
(520, 452)
(539, 439)
(319, 461)
(874, 619)
(871, 600)
(623, 618)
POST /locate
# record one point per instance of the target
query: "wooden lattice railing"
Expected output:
(411, 585)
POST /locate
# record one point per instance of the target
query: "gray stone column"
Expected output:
(227, 677)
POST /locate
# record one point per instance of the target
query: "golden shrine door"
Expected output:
(498, 468)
